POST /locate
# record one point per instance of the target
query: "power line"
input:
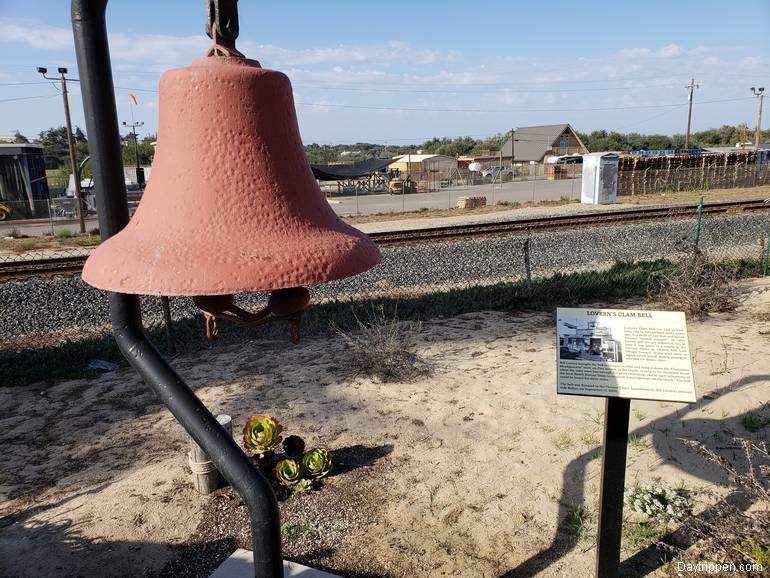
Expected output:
(28, 97)
(21, 83)
(481, 110)
(477, 91)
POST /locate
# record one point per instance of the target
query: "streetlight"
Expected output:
(70, 145)
(134, 126)
(760, 94)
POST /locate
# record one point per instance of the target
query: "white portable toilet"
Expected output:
(600, 178)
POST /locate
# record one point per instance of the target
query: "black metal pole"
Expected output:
(91, 47)
(615, 448)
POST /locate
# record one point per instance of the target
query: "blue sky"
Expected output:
(402, 72)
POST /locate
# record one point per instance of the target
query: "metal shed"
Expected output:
(23, 184)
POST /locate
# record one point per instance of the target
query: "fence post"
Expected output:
(171, 348)
(698, 221)
(766, 260)
(50, 216)
(528, 267)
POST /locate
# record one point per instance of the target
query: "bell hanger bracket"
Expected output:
(222, 27)
(284, 304)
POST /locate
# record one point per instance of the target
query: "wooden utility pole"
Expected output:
(760, 94)
(70, 144)
(693, 85)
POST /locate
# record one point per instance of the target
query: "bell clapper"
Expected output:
(286, 304)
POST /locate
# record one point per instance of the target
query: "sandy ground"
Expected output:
(479, 463)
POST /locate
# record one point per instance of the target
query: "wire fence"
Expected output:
(62, 319)
(650, 181)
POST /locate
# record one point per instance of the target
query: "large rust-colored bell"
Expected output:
(231, 204)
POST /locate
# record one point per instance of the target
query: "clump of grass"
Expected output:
(563, 440)
(578, 522)
(589, 437)
(26, 245)
(640, 415)
(63, 234)
(699, 286)
(639, 535)
(384, 348)
(639, 444)
(86, 240)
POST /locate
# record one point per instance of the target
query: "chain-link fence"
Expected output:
(54, 326)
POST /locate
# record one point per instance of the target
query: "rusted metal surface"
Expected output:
(232, 204)
(288, 304)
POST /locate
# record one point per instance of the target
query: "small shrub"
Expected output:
(383, 348)
(95, 231)
(14, 233)
(753, 422)
(698, 286)
(26, 245)
(656, 501)
(752, 550)
(62, 234)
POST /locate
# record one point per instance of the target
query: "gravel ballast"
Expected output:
(62, 304)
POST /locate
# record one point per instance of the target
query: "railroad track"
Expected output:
(534, 225)
(73, 265)
(41, 267)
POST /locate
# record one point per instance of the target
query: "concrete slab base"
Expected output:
(241, 565)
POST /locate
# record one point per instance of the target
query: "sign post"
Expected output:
(621, 355)
(615, 446)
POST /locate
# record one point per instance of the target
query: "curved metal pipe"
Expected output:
(91, 47)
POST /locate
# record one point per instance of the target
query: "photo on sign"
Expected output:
(590, 339)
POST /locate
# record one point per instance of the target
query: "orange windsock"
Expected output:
(133, 99)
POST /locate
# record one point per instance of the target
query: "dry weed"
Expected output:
(734, 529)
(699, 286)
(384, 348)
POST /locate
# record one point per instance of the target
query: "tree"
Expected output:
(19, 138)
(146, 152)
(55, 149)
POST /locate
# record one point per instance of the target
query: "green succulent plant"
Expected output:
(262, 433)
(288, 473)
(316, 463)
(303, 485)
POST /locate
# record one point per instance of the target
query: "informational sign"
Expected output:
(624, 353)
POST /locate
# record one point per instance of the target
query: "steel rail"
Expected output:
(23, 269)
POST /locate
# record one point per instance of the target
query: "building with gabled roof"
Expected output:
(537, 144)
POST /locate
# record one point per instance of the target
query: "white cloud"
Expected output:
(150, 49)
(36, 35)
